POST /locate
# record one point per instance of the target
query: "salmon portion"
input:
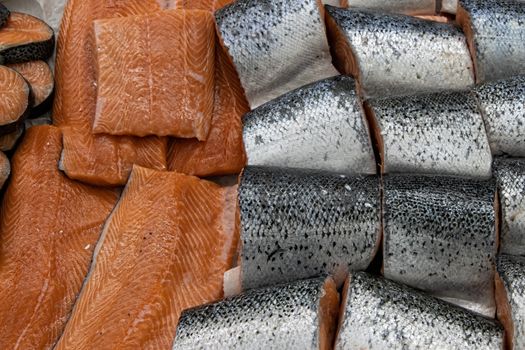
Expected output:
(40, 79)
(96, 159)
(14, 99)
(210, 5)
(5, 169)
(223, 152)
(160, 253)
(156, 74)
(49, 226)
(8, 141)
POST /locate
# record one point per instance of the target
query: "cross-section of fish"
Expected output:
(409, 7)
(439, 133)
(4, 15)
(276, 46)
(5, 169)
(449, 6)
(393, 55)
(49, 227)
(160, 252)
(381, 314)
(299, 315)
(14, 100)
(8, 141)
(440, 237)
(318, 126)
(495, 31)
(39, 77)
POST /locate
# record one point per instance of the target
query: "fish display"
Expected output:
(95, 159)
(510, 296)
(381, 314)
(496, 34)
(396, 55)
(440, 237)
(510, 176)
(439, 133)
(502, 107)
(285, 48)
(409, 7)
(159, 253)
(299, 224)
(299, 315)
(318, 126)
(39, 77)
(49, 227)
(14, 104)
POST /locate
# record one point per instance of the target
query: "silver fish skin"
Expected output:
(278, 317)
(276, 45)
(398, 55)
(439, 133)
(502, 105)
(298, 224)
(381, 314)
(318, 126)
(409, 7)
(440, 237)
(510, 176)
(511, 285)
(496, 31)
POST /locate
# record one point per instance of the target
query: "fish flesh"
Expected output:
(160, 252)
(207, 5)
(4, 15)
(502, 106)
(299, 224)
(396, 55)
(495, 30)
(510, 296)
(440, 236)
(439, 133)
(5, 169)
(8, 141)
(156, 74)
(510, 176)
(449, 6)
(39, 77)
(95, 159)
(25, 38)
(49, 226)
(381, 314)
(276, 45)
(319, 126)
(14, 104)
(223, 152)
(409, 7)
(299, 315)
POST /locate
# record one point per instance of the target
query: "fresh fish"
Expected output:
(440, 133)
(276, 45)
(449, 6)
(5, 169)
(39, 77)
(502, 105)
(8, 142)
(394, 55)
(14, 101)
(381, 314)
(410, 7)
(4, 15)
(510, 175)
(161, 251)
(440, 237)
(299, 315)
(318, 126)
(299, 224)
(495, 31)
(510, 296)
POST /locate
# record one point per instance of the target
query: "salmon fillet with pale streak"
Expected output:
(160, 253)
(49, 227)
(97, 159)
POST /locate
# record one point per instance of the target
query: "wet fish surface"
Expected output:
(276, 46)
(502, 105)
(381, 314)
(318, 126)
(299, 224)
(409, 7)
(440, 237)
(439, 133)
(299, 315)
(396, 55)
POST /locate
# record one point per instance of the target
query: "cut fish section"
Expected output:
(40, 79)
(449, 6)
(409, 7)
(14, 100)
(8, 141)
(5, 169)
(4, 15)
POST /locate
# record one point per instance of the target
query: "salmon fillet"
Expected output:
(40, 79)
(5, 169)
(14, 101)
(49, 226)
(160, 253)
(97, 159)
(208, 5)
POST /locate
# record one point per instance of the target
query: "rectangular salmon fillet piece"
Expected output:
(49, 227)
(156, 74)
(97, 159)
(161, 251)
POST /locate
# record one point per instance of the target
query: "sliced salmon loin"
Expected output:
(8, 141)
(4, 15)
(25, 38)
(208, 5)
(14, 100)
(409, 7)
(40, 78)
(96, 159)
(160, 252)
(299, 315)
(49, 227)
(5, 169)
(156, 74)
